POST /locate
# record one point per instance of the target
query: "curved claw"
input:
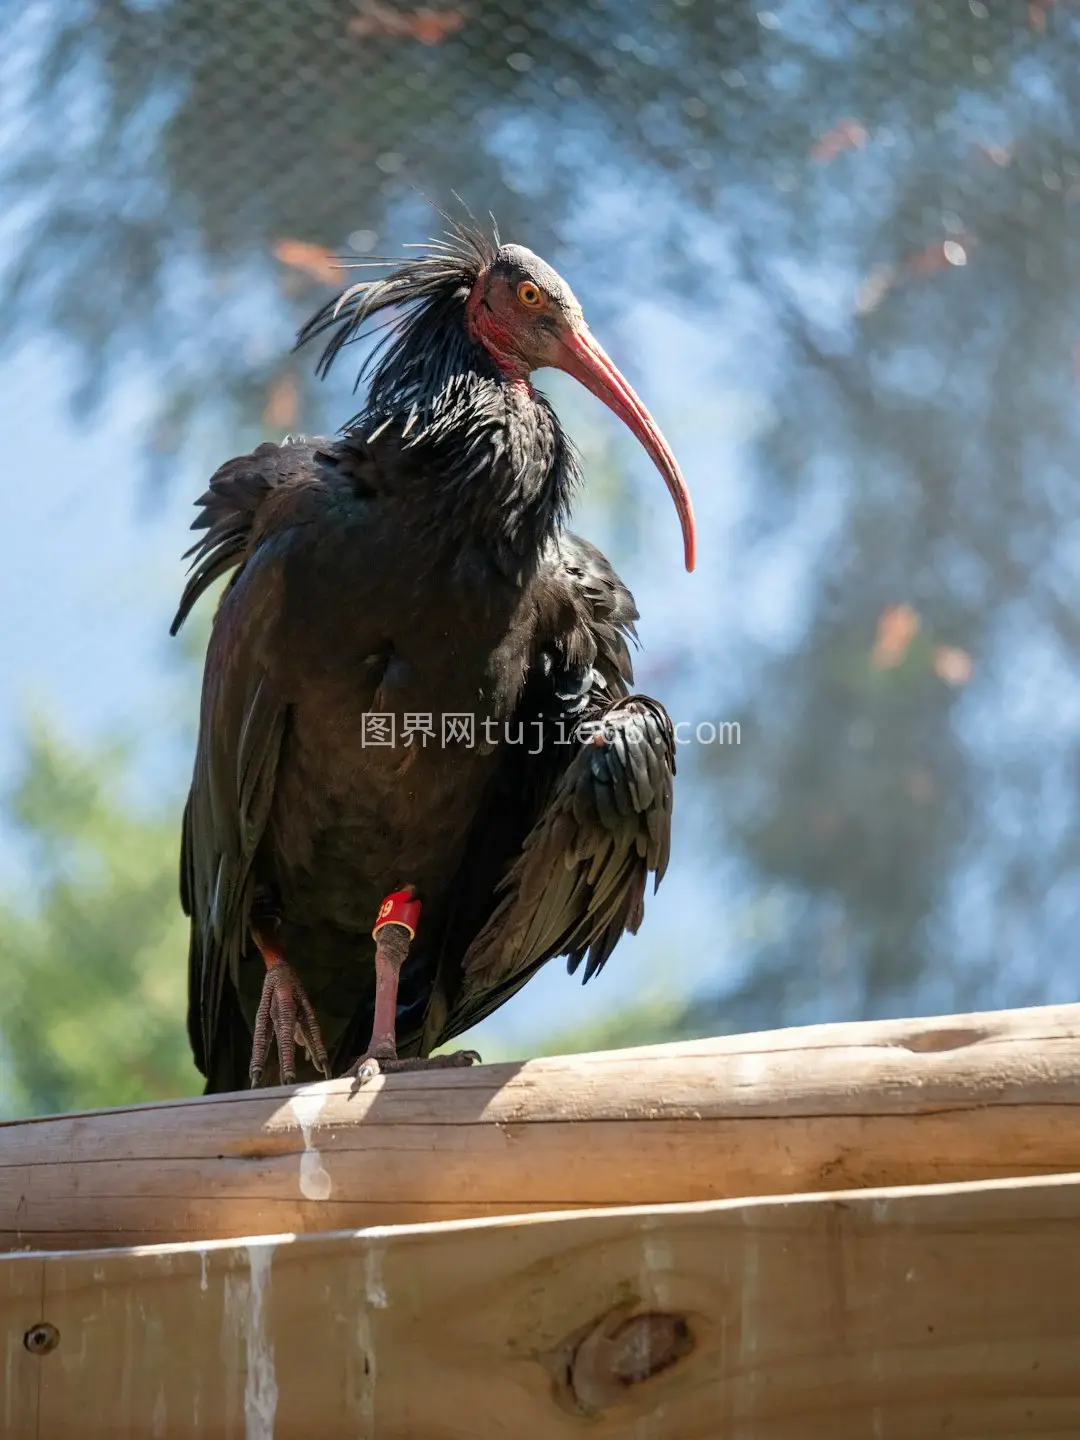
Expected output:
(368, 1066)
(365, 1069)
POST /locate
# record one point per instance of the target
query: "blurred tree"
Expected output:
(95, 958)
(882, 803)
(649, 1022)
(890, 191)
(172, 150)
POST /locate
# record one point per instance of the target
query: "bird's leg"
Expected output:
(286, 1012)
(394, 931)
(391, 951)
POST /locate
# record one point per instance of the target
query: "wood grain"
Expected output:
(833, 1107)
(22, 1293)
(889, 1315)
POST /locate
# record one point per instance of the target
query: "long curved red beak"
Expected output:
(583, 357)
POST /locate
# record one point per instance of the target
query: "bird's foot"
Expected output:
(374, 1063)
(286, 1013)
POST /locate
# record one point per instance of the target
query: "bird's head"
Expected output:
(526, 317)
(466, 292)
(520, 310)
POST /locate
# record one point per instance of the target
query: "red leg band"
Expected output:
(399, 909)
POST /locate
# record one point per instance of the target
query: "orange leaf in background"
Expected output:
(919, 785)
(846, 134)
(884, 279)
(952, 665)
(1037, 12)
(896, 628)
(430, 27)
(933, 258)
(313, 260)
(927, 261)
(282, 403)
(1000, 155)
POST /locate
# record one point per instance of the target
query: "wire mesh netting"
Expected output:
(835, 246)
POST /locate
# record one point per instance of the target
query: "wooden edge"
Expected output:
(896, 1312)
(673, 1211)
(912, 1102)
(927, 1035)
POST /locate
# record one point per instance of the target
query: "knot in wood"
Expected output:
(938, 1038)
(647, 1344)
(620, 1352)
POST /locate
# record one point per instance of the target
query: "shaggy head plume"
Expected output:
(426, 361)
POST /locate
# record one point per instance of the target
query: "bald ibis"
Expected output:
(420, 771)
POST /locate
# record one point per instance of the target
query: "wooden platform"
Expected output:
(911, 1309)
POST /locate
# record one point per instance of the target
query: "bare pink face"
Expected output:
(526, 317)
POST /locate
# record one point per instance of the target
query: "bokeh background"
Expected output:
(836, 246)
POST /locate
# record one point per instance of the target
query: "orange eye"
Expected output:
(529, 294)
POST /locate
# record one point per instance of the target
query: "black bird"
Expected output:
(416, 693)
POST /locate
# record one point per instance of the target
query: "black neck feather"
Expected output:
(492, 462)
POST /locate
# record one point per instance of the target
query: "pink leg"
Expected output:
(394, 931)
(391, 951)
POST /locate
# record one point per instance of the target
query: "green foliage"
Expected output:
(94, 959)
(651, 1022)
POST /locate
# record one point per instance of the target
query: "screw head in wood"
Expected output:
(41, 1338)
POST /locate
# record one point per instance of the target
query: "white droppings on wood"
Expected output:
(71, 1359)
(159, 1417)
(749, 1293)
(374, 1297)
(657, 1265)
(376, 1293)
(245, 1318)
(315, 1182)
(236, 1291)
(388, 1232)
(365, 1343)
(13, 1341)
(128, 1363)
(261, 1388)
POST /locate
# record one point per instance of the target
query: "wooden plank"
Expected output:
(826, 1108)
(891, 1315)
(22, 1292)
